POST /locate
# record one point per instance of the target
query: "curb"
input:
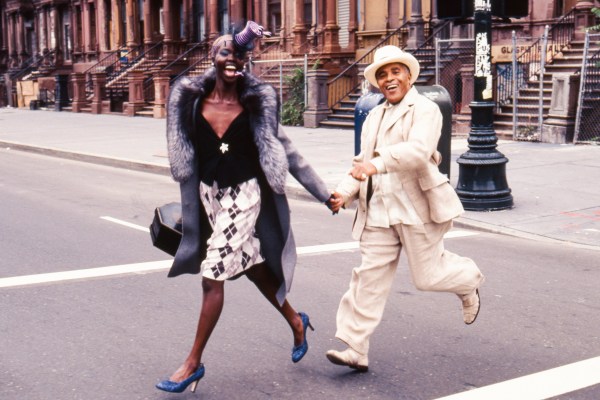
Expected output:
(463, 222)
(292, 191)
(90, 158)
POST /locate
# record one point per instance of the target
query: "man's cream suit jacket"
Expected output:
(411, 162)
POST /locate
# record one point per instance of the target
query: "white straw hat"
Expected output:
(389, 55)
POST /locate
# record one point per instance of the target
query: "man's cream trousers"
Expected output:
(432, 269)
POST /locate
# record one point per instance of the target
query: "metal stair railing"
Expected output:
(347, 81)
(109, 59)
(428, 47)
(25, 68)
(508, 81)
(116, 90)
(188, 54)
(201, 63)
(559, 36)
(127, 65)
(106, 64)
(503, 82)
(30, 64)
(528, 68)
(339, 88)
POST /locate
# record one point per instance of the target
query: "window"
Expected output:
(308, 12)
(161, 28)
(223, 16)
(67, 44)
(274, 16)
(92, 27)
(181, 21)
(199, 27)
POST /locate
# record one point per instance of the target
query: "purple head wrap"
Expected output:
(244, 40)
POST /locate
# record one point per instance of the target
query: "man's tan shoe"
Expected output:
(350, 358)
(471, 305)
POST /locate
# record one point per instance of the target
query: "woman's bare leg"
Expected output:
(212, 305)
(267, 283)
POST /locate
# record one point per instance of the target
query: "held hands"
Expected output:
(335, 202)
(362, 170)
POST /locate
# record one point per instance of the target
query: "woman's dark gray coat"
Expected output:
(277, 156)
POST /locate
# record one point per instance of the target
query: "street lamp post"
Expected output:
(482, 182)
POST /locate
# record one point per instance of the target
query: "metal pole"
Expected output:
(542, 72)
(437, 61)
(305, 80)
(482, 182)
(280, 87)
(515, 79)
(581, 87)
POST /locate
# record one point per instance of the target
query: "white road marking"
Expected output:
(335, 247)
(25, 280)
(125, 223)
(457, 234)
(329, 248)
(137, 268)
(541, 385)
(326, 248)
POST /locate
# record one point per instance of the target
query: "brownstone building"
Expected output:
(121, 55)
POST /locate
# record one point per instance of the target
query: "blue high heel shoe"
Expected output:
(299, 351)
(178, 387)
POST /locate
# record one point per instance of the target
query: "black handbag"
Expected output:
(165, 230)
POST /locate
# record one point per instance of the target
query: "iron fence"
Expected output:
(451, 55)
(520, 87)
(587, 123)
(276, 72)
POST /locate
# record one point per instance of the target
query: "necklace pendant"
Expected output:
(224, 148)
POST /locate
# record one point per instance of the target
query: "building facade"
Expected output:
(90, 52)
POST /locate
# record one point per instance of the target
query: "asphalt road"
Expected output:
(114, 337)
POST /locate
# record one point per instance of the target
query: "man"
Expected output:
(403, 202)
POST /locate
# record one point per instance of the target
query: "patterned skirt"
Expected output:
(232, 212)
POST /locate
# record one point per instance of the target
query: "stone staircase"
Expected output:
(342, 115)
(528, 99)
(272, 74)
(197, 70)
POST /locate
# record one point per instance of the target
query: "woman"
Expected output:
(231, 158)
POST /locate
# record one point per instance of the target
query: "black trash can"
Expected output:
(438, 94)
(61, 92)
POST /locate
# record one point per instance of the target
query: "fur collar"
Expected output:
(258, 98)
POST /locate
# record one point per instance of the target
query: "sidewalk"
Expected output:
(556, 188)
